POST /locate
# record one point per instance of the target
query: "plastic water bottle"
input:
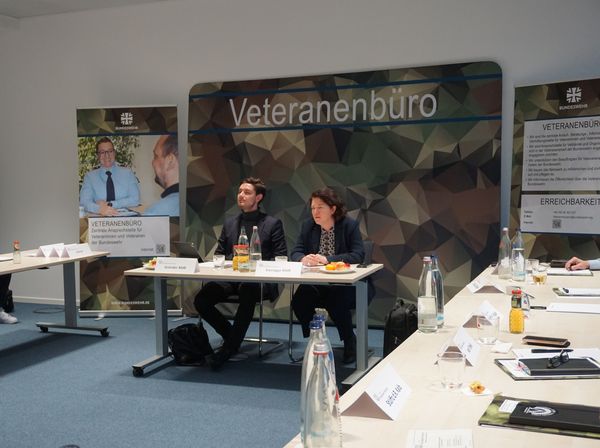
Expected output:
(518, 258)
(504, 270)
(307, 366)
(243, 259)
(255, 252)
(322, 318)
(16, 252)
(439, 290)
(323, 424)
(426, 301)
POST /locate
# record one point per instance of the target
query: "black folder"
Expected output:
(557, 415)
(574, 366)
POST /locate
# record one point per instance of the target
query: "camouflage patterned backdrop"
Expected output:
(415, 153)
(542, 102)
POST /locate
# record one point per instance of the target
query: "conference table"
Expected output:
(430, 407)
(31, 262)
(205, 272)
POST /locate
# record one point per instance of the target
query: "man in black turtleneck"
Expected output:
(272, 239)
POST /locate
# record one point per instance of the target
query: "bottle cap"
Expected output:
(315, 324)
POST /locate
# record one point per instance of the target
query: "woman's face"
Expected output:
(322, 213)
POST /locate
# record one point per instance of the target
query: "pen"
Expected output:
(551, 350)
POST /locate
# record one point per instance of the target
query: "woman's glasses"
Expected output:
(558, 360)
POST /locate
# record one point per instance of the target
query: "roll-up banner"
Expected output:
(556, 168)
(128, 204)
(414, 153)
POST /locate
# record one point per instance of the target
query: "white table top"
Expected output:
(30, 262)
(428, 407)
(228, 274)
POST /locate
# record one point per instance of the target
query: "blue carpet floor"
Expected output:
(62, 388)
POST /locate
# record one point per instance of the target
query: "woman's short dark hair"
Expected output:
(330, 198)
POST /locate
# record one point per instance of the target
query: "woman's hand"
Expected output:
(313, 260)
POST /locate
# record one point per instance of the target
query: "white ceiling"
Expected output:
(18, 9)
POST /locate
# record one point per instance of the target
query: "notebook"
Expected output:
(574, 366)
(557, 415)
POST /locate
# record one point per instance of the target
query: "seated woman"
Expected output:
(329, 236)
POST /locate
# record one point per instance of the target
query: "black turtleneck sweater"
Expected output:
(249, 220)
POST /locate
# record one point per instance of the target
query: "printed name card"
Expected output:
(488, 311)
(50, 250)
(279, 268)
(479, 286)
(383, 398)
(175, 265)
(76, 250)
(467, 345)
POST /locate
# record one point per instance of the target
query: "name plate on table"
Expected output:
(279, 268)
(176, 265)
(76, 250)
(383, 398)
(50, 250)
(483, 285)
(486, 310)
(467, 345)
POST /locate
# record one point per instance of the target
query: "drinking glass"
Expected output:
(451, 366)
(218, 261)
(540, 275)
(487, 329)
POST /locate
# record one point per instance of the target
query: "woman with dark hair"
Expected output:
(328, 237)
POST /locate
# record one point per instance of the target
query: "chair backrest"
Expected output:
(368, 245)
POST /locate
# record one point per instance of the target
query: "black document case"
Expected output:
(557, 415)
(574, 366)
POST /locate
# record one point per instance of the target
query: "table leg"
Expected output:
(70, 290)
(160, 325)
(364, 362)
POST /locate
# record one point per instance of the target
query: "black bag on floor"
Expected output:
(400, 323)
(189, 344)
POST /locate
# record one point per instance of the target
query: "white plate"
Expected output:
(149, 266)
(337, 271)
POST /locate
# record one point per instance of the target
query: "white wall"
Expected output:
(153, 54)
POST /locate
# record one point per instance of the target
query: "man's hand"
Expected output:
(106, 210)
(576, 264)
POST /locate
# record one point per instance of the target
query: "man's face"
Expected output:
(106, 154)
(159, 163)
(247, 198)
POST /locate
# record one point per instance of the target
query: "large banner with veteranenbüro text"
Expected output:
(414, 153)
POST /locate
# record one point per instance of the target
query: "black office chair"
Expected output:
(260, 340)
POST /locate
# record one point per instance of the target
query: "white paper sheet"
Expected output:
(589, 308)
(563, 271)
(436, 438)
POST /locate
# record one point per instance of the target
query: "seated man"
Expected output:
(5, 318)
(576, 264)
(109, 187)
(272, 238)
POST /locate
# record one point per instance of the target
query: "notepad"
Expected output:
(557, 415)
(577, 292)
(563, 271)
(574, 366)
